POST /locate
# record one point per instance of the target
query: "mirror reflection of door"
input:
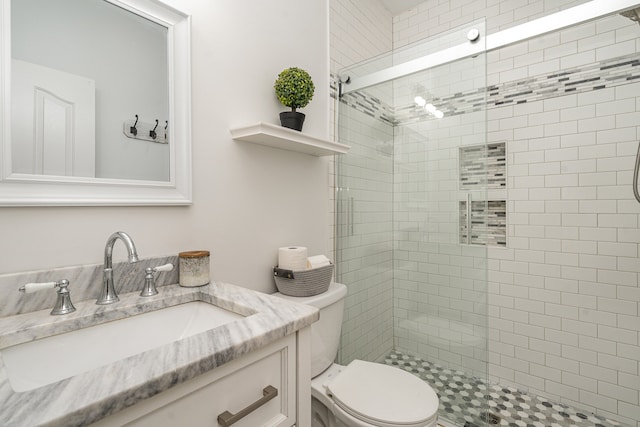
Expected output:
(53, 121)
(125, 54)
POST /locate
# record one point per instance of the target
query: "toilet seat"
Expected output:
(383, 396)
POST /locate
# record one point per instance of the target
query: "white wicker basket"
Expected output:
(303, 283)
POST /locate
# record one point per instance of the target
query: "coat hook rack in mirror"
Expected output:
(138, 129)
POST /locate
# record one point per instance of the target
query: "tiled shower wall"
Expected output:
(360, 31)
(563, 295)
(357, 33)
(433, 17)
(440, 285)
(365, 259)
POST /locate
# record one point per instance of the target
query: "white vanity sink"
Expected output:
(48, 360)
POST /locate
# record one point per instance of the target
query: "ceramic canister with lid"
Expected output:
(194, 268)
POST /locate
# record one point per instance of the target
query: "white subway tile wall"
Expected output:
(439, 284)
(563, 296)
(360, 31)
(433, 17)
(365, 256)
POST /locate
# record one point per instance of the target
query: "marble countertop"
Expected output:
(93, 395)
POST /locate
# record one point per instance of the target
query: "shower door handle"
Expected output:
(348, 213)
(635, 175)
(351, 201)
(343, 215)
(468, 218)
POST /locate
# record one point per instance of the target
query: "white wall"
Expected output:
(248, 200)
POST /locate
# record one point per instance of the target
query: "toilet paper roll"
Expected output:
(318, 261)
(292, 258)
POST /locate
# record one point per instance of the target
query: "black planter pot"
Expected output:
(292, 120)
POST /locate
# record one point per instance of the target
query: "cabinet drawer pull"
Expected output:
(226, 418)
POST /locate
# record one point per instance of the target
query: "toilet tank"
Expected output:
(325, 333)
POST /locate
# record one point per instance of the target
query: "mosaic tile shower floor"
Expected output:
(462, 400)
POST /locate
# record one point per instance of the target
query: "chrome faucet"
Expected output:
(108, 294)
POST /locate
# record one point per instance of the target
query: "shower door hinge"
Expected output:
(341, 82)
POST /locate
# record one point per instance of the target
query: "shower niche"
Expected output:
(483, 170)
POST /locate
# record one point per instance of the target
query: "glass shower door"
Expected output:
(419, 201)
(364, 253)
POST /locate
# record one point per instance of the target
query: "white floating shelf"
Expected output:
(287, 139)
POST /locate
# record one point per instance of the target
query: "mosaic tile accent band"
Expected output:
(469, 401)
(596, 76)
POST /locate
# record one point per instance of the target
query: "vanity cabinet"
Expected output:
(233, 387)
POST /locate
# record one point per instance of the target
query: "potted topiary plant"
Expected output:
(294, 89)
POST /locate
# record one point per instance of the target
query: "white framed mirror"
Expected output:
(95, 103)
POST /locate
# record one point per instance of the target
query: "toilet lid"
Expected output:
(383, 395)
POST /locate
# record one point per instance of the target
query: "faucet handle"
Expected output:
(149, 288)
(164, 267)
(63, 303)
(30, 288)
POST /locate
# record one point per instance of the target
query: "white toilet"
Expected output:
(361, 394)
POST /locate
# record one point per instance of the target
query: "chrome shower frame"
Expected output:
(585, 12)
